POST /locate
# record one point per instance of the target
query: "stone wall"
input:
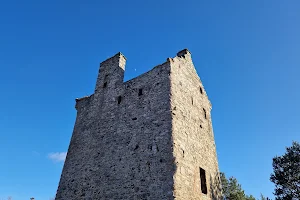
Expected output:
(142, 139)
(121, 144)
(193, 138)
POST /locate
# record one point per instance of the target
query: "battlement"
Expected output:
(111, 74)
(183, 53)
(114, 58)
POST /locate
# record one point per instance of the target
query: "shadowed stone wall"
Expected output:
(141, 139)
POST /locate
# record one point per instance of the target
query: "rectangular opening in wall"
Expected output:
(203, 181)
(201, 91)
(119, 99)
(140, 92)
(104, 85)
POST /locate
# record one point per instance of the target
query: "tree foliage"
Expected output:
(232, 190)
(262, 197)
(286, 176)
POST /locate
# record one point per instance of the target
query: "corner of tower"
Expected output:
(111, 72)
(118, 60)
(183, 61)
(185, 53)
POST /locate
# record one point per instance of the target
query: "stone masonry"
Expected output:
(147, 138)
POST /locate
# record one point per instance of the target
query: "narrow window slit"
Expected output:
(105, 81)
(134, 118)
(201, 91)
(119, 99)
(204, 111)
(140, 92)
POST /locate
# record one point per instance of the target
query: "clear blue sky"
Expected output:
(246, 53)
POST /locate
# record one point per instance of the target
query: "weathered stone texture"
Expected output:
(142, 139)
(193, 138)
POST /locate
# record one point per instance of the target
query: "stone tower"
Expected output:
(147, 138)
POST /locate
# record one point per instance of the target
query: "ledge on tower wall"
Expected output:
(81, 102)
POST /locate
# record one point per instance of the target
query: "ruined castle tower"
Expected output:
(147, 138)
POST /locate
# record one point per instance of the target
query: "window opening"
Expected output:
(201, 91)
(203, 181)
(140, 92)
(204, 111)
(104, 85)
(119, 99)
